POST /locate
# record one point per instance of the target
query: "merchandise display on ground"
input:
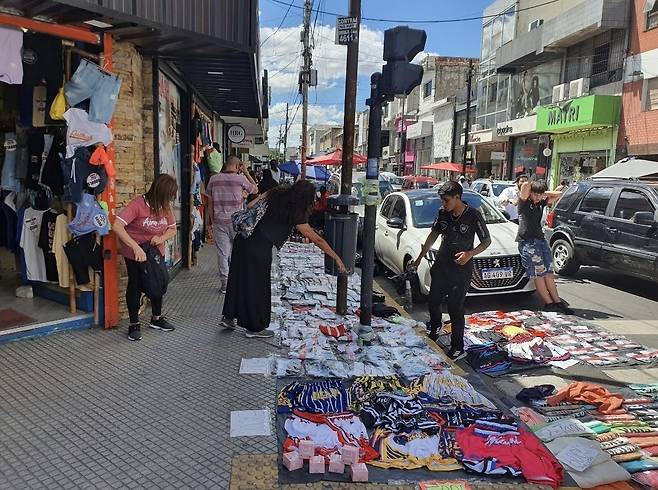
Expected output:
(394, 410)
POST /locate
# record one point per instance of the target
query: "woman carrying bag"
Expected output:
(269, 222)
(147, 220)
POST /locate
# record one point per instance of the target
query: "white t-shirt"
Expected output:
(35, 262)
(511, 194)
(82, 132)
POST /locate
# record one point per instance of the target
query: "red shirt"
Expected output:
(141, 226)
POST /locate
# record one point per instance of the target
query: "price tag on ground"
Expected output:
(347, 30)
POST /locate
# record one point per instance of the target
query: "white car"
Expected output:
(395, 181)
(404, 221)
(490, 189)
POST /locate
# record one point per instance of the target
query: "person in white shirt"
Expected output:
(509, 198)
(464, 183)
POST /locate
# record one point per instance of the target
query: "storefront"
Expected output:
(526, 149)
(485, 144)
(583, 135)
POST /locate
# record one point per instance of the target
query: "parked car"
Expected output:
(358, 181)
(610, 223)
(418, 182)
(404, 221)
(490, 189)
(395, 180)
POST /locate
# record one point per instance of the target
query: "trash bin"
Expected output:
(340, 232)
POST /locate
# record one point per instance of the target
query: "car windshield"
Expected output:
(425, 208)
(396, 180)
(498, 188)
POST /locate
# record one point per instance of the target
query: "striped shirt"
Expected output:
(226, 190)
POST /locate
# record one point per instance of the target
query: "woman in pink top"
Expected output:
(147, 219)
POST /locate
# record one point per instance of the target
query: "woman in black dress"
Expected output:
(248, 295)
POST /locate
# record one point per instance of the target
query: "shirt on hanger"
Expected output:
(9, 181)
(82, 132)
(35, 263)
(11, 65)
(46, 237)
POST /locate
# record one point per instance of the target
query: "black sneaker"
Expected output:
(227, 323)
(562, 307)
(551, 308)
(134, 332)
(456, 354)
(263, 334)
(161, 324)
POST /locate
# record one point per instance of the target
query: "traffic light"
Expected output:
(399, 75)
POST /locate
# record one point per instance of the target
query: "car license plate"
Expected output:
(497, 273)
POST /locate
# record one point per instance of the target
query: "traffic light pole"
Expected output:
(469, 83)
(351, 73)
(371, 193)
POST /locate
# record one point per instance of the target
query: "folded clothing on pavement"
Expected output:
(605, 401)
(315, 397)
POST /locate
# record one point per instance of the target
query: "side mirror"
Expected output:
(644, 218)
(395, 223)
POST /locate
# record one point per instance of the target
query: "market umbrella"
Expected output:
(290, 167)
(336, 158)
(316, 173)
(449, 166)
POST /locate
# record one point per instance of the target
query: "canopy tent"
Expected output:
(336, 158)
(449, 166)
(632, 168)
(314, 173)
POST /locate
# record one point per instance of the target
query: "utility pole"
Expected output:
(285, 137)
(469, 83)
(278, 142)
(305, 77)
(403, 136)
(351, 72)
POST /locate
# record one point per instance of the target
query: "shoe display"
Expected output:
(134, 332)
(161, 324)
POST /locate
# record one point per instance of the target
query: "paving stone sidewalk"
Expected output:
(89, 409)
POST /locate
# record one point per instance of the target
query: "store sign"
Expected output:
(486, 136)
(236, 134)
(247, 142)
(582, 113)
(504, 130)
(347, 30)
(498, 155)
(515, 127)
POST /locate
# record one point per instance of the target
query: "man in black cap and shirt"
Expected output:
(457, 223)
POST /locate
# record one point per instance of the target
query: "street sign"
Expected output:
(347, 30)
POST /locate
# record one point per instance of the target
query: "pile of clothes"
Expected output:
(598, 436)
(496, 339)
(437, 421)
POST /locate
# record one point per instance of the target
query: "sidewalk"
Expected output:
(90, 409)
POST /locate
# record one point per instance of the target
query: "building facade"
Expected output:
(638, 135)
(538, 61)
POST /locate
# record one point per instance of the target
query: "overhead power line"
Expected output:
(278, 27)
(417, 21)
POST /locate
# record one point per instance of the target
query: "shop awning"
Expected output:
(449, 166)
(336, 158)
(213, 43)
(632, 168)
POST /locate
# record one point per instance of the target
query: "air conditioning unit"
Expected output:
(578, 88)
(476, 127)
(560, 92)
(535, 24)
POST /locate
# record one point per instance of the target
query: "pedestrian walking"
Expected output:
(457, 223)
(147, 219)
(248, 296)
(320, 207)
(463, 181)
(509, 198)
(227, 192)
(535, 251)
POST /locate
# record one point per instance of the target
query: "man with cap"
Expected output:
(509, 198)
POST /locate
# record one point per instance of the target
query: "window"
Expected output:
(600, 59)
(386, 207)
(399, 210)
(427, 89)
(493, 91)
(631, 202)
(651, 98)
(596, 200)
(477, 187)
(651, 8)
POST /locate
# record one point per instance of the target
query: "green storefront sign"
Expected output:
(578, 114)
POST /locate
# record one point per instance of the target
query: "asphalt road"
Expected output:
(618, 303)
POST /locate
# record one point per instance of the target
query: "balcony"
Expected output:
(587, 19)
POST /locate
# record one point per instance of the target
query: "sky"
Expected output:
(281, 48)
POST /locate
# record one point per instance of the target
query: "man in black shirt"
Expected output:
(535, 251)
(451, 273)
